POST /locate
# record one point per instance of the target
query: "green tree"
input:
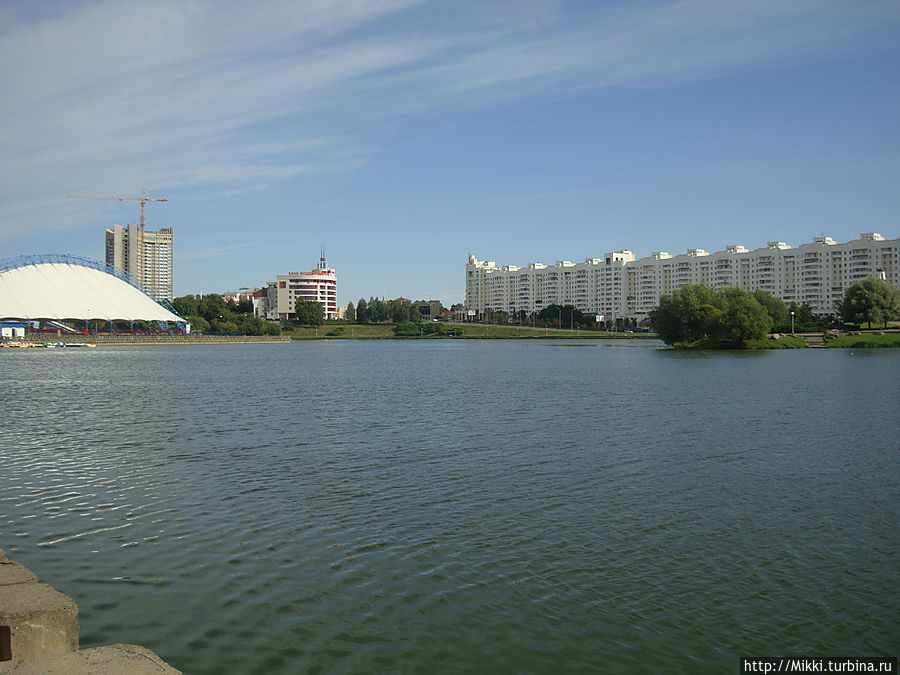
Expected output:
(198, 322)
(699, 307)
(378, 311)
(407, 329)
(731, 316)
(240, 306)
(686, 315)
(803, 316)
(186, 306)
(666, 320)
(309, 312)
(561, 316)
(776, 309)
(870, 300)
(253, 325)
(400, 311)
(213, 306)
(362, 311)
(741, 318)
(223, 326)
(350, 315)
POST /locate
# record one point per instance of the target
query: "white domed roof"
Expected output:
(63, 287)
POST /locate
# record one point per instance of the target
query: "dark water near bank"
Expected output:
(459, 506)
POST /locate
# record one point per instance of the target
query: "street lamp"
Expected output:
(792, 323)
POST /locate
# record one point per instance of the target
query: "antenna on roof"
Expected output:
(322, 265)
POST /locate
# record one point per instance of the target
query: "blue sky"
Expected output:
(403, 134)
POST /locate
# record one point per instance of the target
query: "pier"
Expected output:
(39, 633)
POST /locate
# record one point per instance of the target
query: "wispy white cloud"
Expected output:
(214, 252)
(105, 96)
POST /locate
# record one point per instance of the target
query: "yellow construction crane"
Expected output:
(143, 199)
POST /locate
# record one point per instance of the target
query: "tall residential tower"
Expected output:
(147, 256)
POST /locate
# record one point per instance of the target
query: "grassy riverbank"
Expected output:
(864, 340)
(469, 330)
(769, 342)
(854, 340)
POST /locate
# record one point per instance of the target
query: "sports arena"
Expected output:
(68, 294)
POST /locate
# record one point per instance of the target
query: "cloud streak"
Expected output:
(215, 252)
(106, 96)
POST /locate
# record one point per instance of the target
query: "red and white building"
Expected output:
(278, 301)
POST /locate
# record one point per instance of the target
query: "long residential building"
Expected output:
(619, 286)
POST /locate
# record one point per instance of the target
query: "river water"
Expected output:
(459, 506)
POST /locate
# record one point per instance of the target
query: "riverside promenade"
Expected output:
(39, 633)
(120, 340)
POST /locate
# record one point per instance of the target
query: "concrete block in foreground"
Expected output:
(36, 619)
(14, 573)
(111, 660)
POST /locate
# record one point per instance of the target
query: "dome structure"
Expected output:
(61, 287)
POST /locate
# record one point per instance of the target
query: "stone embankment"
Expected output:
(119, 340)
(39, 633)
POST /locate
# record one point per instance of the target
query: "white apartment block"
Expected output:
(598, 285)
(146, 256)
(617, 285)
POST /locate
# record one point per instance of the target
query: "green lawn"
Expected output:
(865, 340)
(786, 342)
(355, 331)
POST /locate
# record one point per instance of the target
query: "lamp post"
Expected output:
(792, 323)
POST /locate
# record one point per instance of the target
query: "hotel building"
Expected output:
(278, 301)
(146, 256)
(815, 274)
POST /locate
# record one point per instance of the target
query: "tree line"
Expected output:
(375, 310)
(215, 314)
(734, 316)
(558, 316)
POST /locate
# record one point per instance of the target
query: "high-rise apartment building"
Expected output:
(815, 274)
(146, 256)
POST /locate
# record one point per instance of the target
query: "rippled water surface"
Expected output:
(459, 506)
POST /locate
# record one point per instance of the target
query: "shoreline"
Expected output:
(851, 339)
(129, 340)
